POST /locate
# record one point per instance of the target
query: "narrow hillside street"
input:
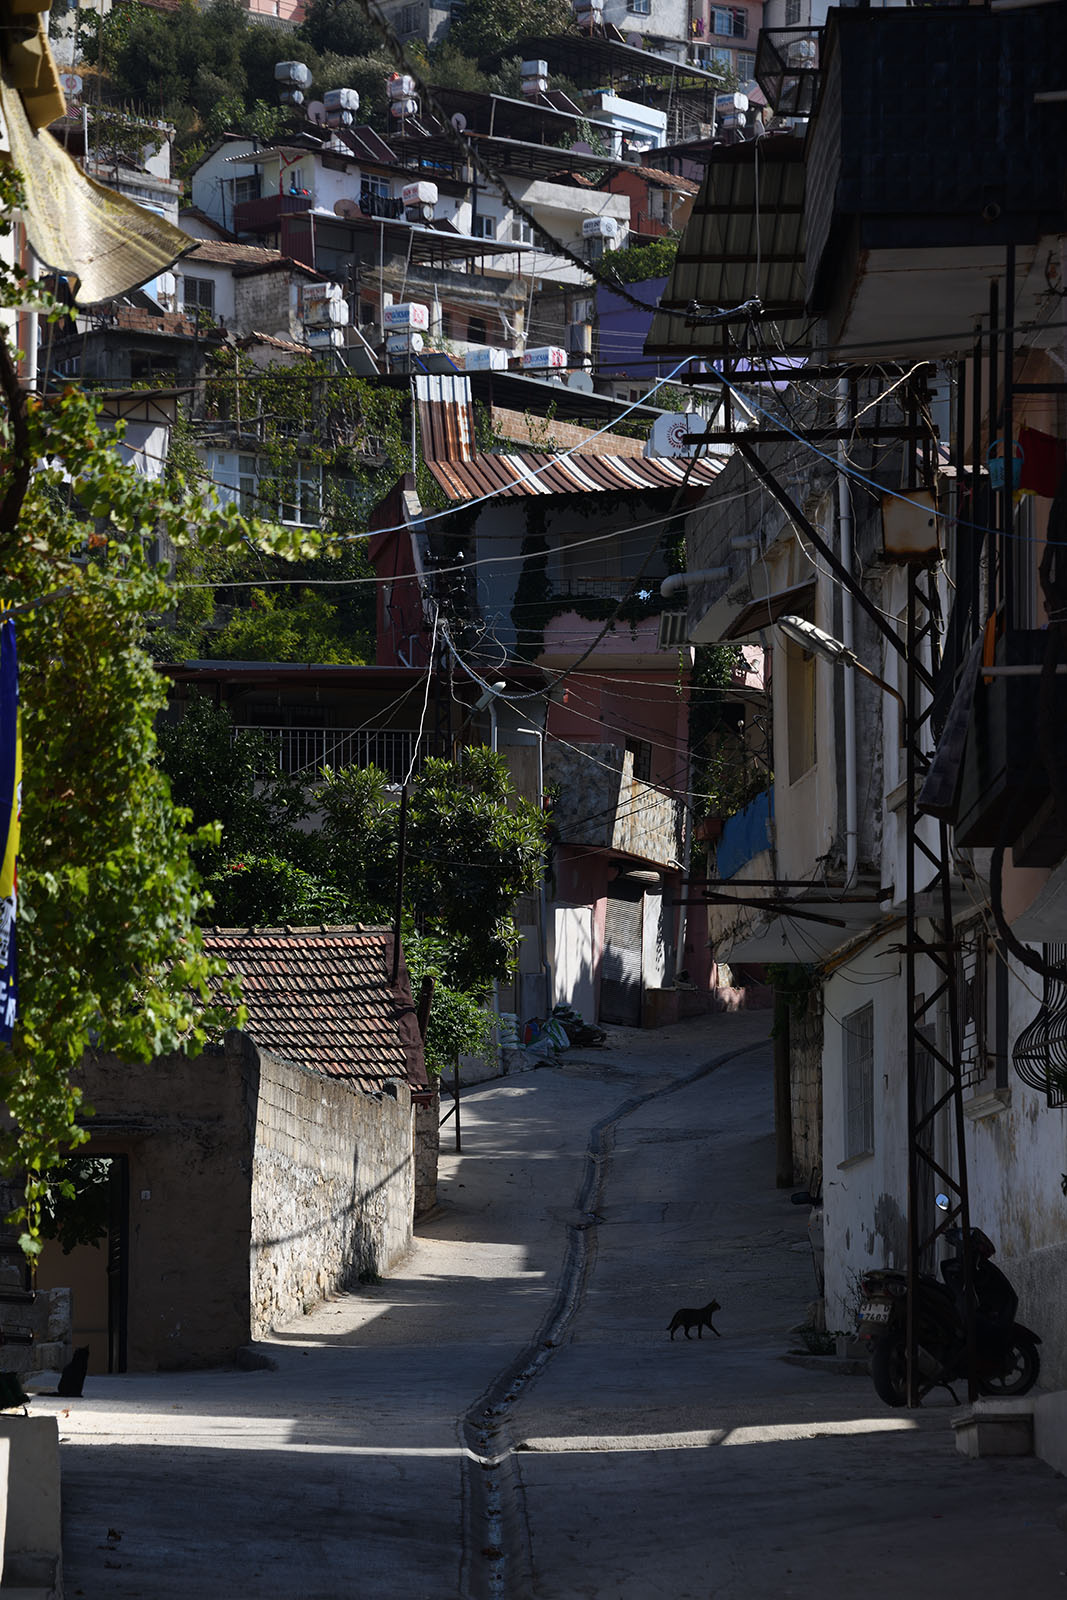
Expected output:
(506, 1416)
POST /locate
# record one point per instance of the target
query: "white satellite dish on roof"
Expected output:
(316, 111)
(635, 41)
(458, 121)
(581, 148)
(346, 208)
(581, 382)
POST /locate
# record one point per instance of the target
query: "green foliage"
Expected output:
(109, 952)
(303, 627)
(726, 775)
(489, 27)
(643, 261)
(75, 1210)
(459, 1023)
(288, 415)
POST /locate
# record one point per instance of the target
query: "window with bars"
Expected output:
(971, 961)
(198, 294)
(792, 13)
(407, 20)
(641, 750)
(1040, 1053)
(858, 1042)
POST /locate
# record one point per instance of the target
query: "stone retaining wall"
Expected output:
(333, 1187)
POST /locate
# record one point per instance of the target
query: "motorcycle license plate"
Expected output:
(875, 1311)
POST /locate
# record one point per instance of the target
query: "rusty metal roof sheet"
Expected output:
(321, 997)
(508, 476)
(446, 419)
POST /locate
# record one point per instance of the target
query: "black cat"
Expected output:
(687, 1318)
(72, 1377)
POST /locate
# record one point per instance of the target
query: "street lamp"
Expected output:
(489, 698)
(818, 643)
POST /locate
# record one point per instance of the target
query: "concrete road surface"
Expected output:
(507, 1417)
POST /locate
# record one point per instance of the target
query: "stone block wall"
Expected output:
(333, 1187)
(427, 1150)
(263, 303)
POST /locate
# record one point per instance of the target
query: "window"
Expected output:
(858, 1043)
(639, 8)
(641, 751)
(408, 19)
(521, 232)
(792, 13)
(729, 22)
(245, 189)
(476, 330)
(483, 227)
(257, 490)
(198, 294)
(369, 184)
(746, 66)
(800, 709)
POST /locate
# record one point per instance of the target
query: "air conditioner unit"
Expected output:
(580, 339)
(600, 228)
(673, 630)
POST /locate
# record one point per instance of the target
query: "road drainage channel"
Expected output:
(496, 1548)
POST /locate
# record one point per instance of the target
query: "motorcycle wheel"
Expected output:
(1019, 1372)
(889, 1371)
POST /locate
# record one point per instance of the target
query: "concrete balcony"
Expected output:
(598, 802)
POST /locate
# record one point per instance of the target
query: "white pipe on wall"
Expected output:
(845, 533)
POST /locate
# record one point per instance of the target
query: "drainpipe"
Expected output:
(845, 532)
(681, 580)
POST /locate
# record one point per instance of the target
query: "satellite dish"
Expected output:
(581, 382)
(458, 121)
(582, 149)
(635, 41)
(346, 208)
(316, 111)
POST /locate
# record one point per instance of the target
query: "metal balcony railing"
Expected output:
(307, 750)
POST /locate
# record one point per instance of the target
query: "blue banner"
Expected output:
(10, 813)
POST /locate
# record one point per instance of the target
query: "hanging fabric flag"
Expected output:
(10, 812)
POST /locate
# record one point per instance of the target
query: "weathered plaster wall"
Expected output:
(805, 1086)
(333, 1187)
(186, 1126)
(1015, 1158)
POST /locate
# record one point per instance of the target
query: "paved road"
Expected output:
(506, 1416)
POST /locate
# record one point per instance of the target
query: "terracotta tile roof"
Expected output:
(272, 341)
(243, 257)
(669, 180)
(320, 997)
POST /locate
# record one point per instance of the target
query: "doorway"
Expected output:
(87, 1251)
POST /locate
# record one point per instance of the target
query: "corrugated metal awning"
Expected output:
(544, 474)
(763, 612)
(745, 236)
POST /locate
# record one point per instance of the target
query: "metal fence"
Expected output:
(300, 750)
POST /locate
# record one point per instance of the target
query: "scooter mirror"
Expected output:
(942, 1202)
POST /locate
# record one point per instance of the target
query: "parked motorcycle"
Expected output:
(1007, 1359)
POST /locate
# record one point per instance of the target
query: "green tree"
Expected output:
(489, 27)
(110, 954)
